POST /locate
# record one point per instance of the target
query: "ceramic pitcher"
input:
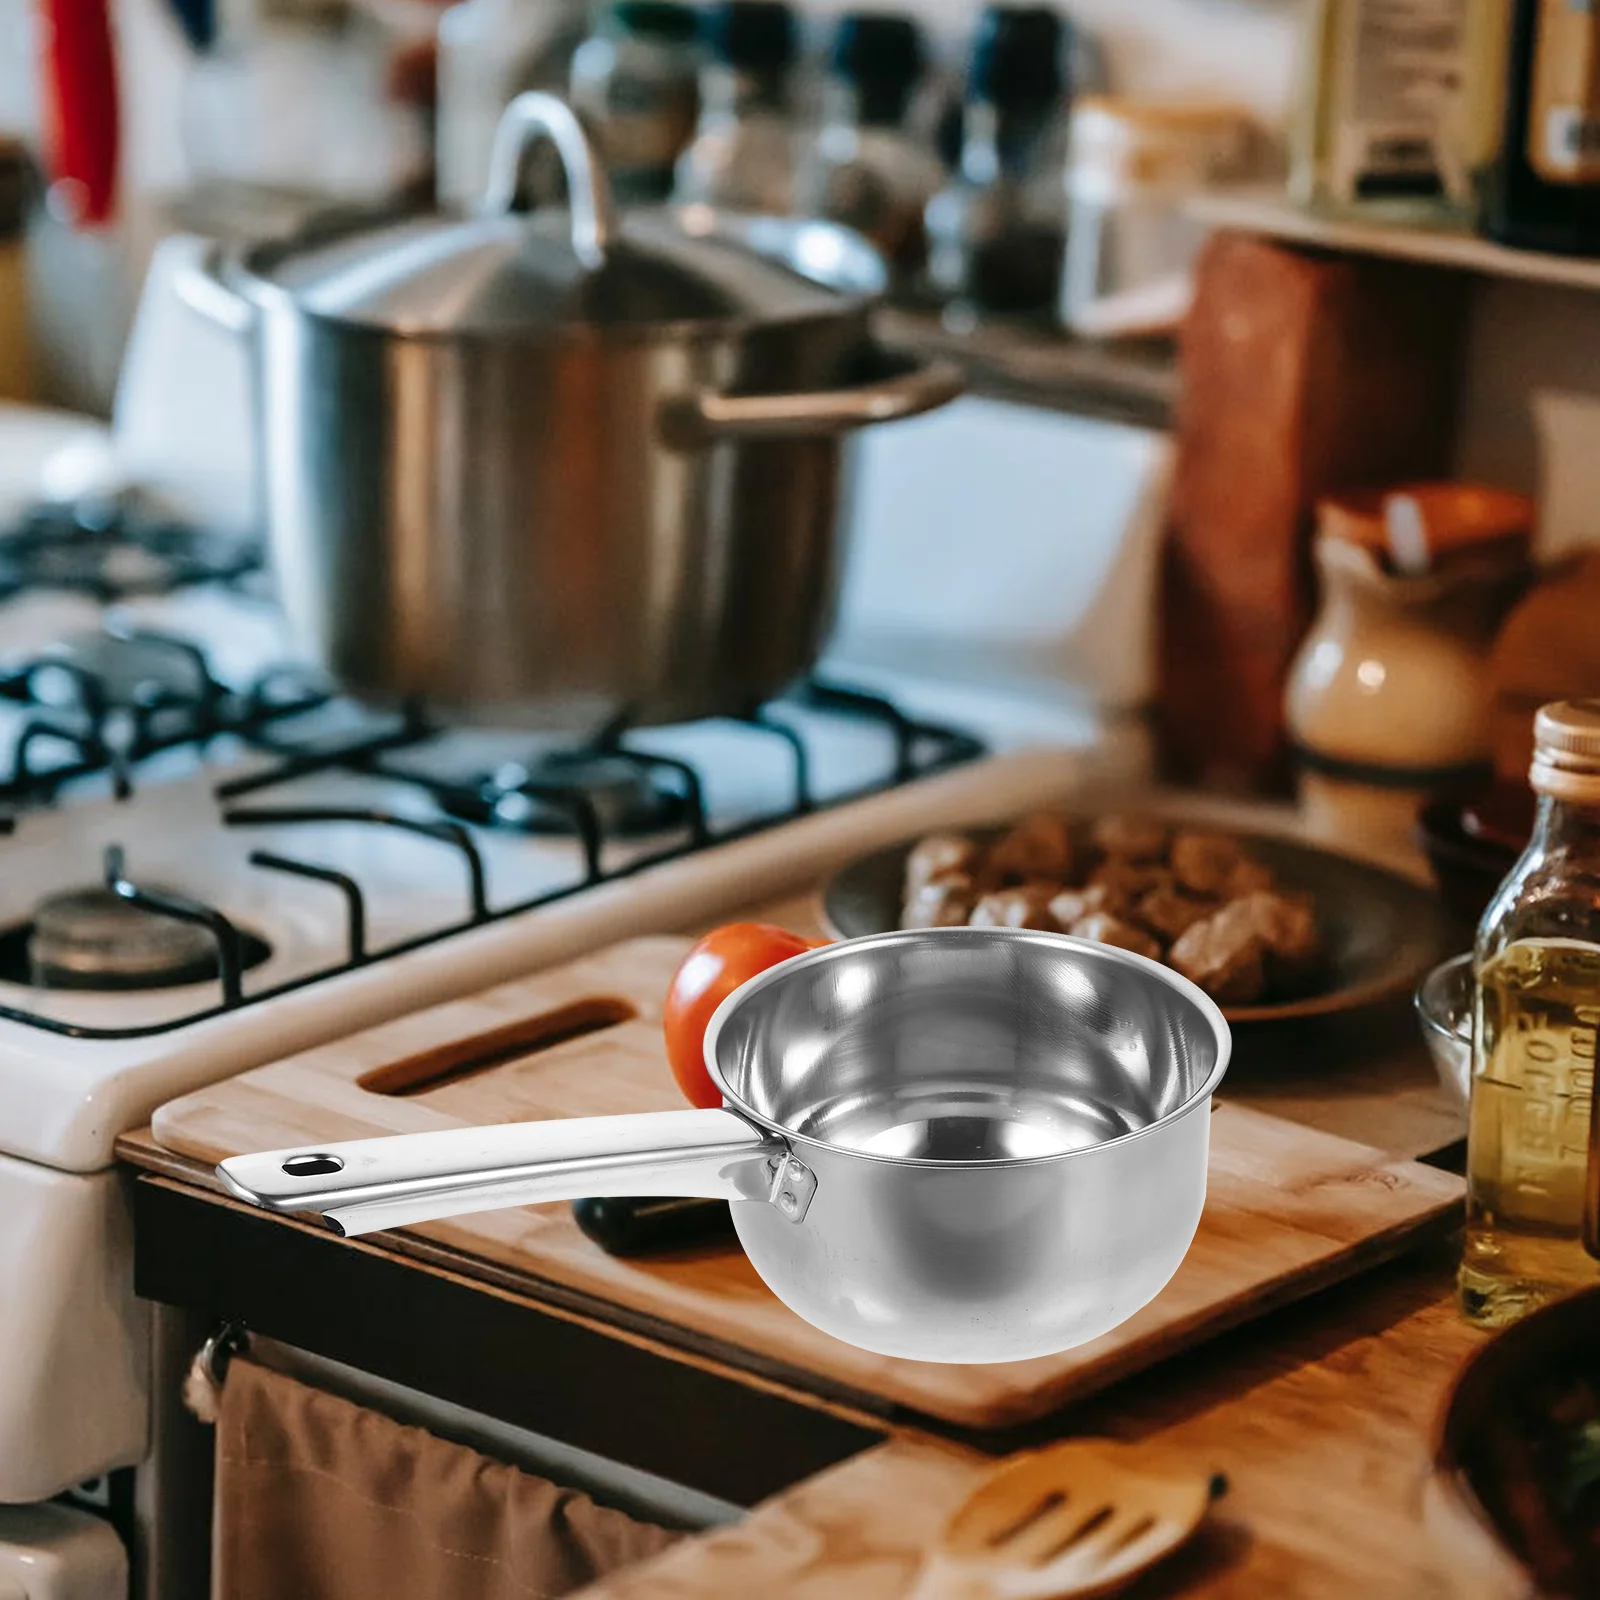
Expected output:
(1388, 700)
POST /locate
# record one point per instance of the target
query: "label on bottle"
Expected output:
(1563, 133)
(1400, 68)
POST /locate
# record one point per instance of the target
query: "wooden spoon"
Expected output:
(1076, 1519)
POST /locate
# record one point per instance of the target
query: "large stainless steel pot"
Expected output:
(954, 1144)
(563, 467)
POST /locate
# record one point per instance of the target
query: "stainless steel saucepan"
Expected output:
(954, 1144)
(567, 466)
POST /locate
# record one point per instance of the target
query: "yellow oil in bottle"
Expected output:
(1528, 1157)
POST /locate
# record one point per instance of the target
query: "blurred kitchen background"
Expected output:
(204, 88)
(1240, 367)
(1043, 186)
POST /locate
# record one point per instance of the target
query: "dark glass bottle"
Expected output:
(1543, 187)
(743, 150)
(995, 231)
(864, 168)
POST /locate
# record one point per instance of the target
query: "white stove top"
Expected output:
(90, 1064)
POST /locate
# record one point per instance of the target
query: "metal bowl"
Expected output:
(1007, 1132)
(950, 1044)
(1444, 1009)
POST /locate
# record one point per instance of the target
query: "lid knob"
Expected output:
(533, 116)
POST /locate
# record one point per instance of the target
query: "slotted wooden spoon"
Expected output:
(1077, 1519)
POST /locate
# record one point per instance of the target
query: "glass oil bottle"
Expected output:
(1533, 1156)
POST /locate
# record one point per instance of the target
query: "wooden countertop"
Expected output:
(1319, 1414)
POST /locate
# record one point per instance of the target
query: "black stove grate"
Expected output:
(102, 704)
(105, 704)
(115, 548)
(107, 700)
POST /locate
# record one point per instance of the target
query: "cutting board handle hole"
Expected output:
(465, 1058)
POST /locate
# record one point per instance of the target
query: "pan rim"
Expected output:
(1208, 1008)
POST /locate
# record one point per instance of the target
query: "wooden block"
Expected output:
(1301, 374)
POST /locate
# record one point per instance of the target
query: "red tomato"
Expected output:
(717, 965)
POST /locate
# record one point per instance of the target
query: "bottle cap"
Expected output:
(753, 35)
(657, 19)
(1566, 750)
(880, 55)
(1016, 59)
(878, 46)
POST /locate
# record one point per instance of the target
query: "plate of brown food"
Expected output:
(1270, 927)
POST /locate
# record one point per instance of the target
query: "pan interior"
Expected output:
(965, 1045)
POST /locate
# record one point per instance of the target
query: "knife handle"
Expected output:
(641, 1224)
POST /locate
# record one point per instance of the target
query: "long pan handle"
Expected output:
(363, 1185)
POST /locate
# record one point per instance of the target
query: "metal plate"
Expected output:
(1381, 931)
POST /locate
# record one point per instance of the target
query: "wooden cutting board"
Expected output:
(1288, 1209)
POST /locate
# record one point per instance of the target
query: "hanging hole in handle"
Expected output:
(312, 1166)
(466, 1058)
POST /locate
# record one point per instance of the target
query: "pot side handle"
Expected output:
(364, 1185)
(707, 417)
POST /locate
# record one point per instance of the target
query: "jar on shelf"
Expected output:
(995, 230)
(1389, 702)
(1132, 166)
(743, 154)
(1386, 103)
(1541, 178)
(865, 167)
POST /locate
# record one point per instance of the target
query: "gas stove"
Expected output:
(265, 834)
(209, 859)
(197, 830)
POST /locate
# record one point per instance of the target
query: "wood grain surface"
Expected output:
(1319, 1417)
(1289, 1209)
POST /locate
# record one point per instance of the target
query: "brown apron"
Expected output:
(321, 1499)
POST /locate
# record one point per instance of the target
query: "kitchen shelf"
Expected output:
(1129, 381)
(1270, 213)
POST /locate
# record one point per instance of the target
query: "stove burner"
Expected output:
(95, 939)
(113, 549)
(630, 798)
(119, 671)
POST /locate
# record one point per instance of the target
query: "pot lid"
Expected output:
(505, 271)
